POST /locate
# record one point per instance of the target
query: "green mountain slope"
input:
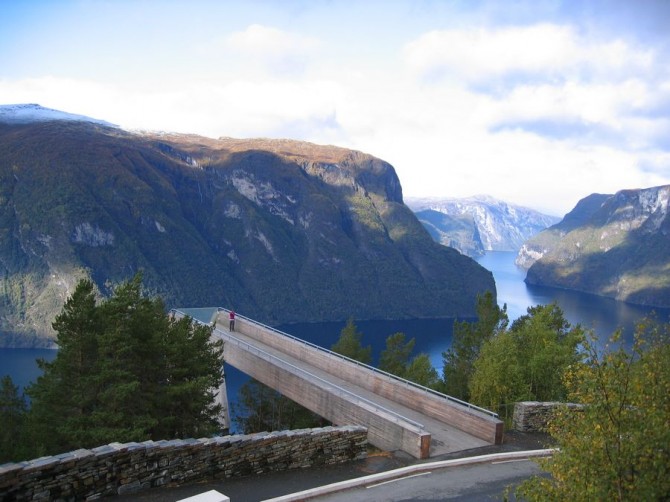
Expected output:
(279, 230)
(610, 245)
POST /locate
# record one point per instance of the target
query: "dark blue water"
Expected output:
(21, 364)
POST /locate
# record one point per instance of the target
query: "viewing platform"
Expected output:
(399, 414)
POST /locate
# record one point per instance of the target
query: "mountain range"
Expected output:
(613, 245)
(474, 225)
(280, 230)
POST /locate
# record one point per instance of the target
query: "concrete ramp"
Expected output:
(398, 414)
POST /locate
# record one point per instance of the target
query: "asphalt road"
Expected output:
(480, 482)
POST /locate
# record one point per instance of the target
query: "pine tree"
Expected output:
(395, 357)
(129, 358)
(421, 371)
(190, 374)
(125, 371)
(12, 420)
(66, 394)
(350, 345)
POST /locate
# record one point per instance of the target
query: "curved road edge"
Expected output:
(407, 471)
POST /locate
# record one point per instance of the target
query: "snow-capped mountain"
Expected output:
(477, 224)
(27, 113)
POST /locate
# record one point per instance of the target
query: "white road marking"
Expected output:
(399, 479)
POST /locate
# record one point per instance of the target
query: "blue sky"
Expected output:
(538, 102)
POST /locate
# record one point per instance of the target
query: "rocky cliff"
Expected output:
(474, 225)
(280, 230)
(610, 245)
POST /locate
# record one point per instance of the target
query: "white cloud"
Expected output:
(65, 94)
(544, 49)
(624, 113)
(591, 103)
(242, 108)
(548, 106)
(540, 115)
(278, 51)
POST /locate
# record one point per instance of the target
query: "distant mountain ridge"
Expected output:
(616, 246)
(477, 224)
(280, 230)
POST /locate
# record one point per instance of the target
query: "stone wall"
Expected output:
(533, 416)
(117, 469)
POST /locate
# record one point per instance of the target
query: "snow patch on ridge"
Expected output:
(27, 113)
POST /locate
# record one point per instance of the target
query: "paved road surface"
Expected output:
(482, 482)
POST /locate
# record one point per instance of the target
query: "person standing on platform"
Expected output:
(231, 320)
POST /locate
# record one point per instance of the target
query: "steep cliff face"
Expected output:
(280, 230)
(538, 245)
(610, 245)
(478, 224)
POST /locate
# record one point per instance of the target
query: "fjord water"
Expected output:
(433, 336)
(21, 364)
(602, 315)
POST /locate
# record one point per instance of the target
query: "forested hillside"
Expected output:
(610, 245)
(277, 229)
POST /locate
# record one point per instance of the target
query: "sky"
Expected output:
(536, 102)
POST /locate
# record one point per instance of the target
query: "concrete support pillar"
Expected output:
(221, 398)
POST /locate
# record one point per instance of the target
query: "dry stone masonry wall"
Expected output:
(117, 468)
(533, 416)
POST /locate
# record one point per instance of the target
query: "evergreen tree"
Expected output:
(128, 376)
(349, 344)
(467, 340)
(12, 420)
(124, 371)
(190, 373)
(421, 371)
(66, 394)
(394, 358)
